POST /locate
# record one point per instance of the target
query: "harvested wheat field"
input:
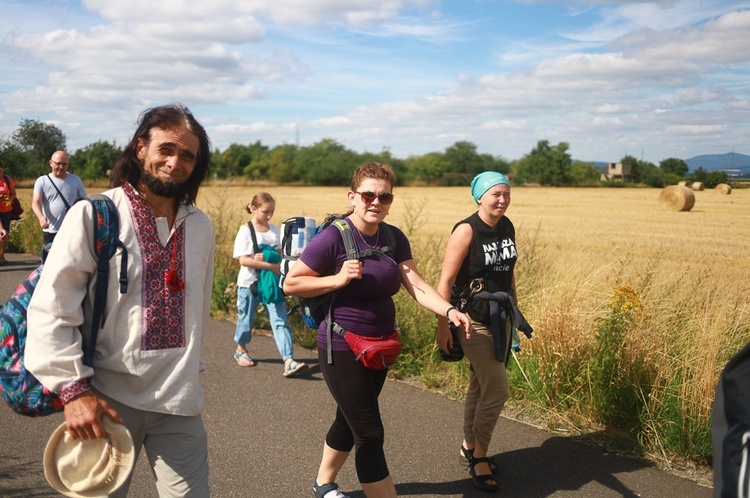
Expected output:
(585, 228)
(591, 227)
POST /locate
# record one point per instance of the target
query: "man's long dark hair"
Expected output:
(128, 168)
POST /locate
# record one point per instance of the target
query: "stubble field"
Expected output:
(588, 229)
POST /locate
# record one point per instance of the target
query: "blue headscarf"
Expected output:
(485, 181)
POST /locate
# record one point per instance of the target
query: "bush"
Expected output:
(25, 235)
(226, 221)
(621, 381)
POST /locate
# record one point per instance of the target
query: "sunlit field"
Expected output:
(589, 227)
(583, 228)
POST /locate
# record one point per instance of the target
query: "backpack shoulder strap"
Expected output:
(286, 241)
(256, 249)
(390, 237)
(106, 242)
(350, 245)
(352, 252)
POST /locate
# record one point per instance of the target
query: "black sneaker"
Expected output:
(327, 490)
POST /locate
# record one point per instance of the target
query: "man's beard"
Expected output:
(163, 188)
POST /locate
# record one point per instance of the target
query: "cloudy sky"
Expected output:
(651, 79)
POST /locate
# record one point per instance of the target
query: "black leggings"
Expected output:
(355, 389)
(49, 237)
(6, 218)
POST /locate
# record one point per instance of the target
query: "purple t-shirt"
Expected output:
(364, 306)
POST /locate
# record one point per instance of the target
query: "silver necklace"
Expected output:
(377, 238)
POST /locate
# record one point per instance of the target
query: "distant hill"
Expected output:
(721, 162)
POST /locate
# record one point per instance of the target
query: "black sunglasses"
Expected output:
(369, 197)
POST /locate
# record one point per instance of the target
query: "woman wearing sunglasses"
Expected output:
(363, 305)
(478, 276)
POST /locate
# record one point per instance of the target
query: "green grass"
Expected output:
(25, 235)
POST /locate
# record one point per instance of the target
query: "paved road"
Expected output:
(266, 434)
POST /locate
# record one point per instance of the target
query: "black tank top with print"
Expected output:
(492, 257)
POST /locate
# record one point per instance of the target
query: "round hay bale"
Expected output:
(677, 198)
(723, 189)
(698, 186)
(683, 183)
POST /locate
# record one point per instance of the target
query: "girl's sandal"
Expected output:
(294, 367)
(243, 359)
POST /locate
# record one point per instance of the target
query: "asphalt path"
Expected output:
(265, 436)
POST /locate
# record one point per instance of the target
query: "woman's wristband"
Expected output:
(448, 311)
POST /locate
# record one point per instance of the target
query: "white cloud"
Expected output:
(145, 62)
(621, 17)
(725, 40)
(610, 108)
(353, 12)
(696, 129)
(610, 70)
(412, 75)
(691, 96)
(284, 12)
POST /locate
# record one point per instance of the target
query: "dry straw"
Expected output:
(723, 189)
(677, 198)
(698, 186)
(683, 183)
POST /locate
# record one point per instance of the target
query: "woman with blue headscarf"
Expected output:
(478, 278)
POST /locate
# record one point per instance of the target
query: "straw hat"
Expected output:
(88, 468)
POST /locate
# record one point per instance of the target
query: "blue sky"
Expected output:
(651, 79)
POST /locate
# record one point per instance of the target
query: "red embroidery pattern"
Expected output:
(163, 308)
(73, 389)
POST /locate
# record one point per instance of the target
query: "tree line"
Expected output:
(27, 150)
